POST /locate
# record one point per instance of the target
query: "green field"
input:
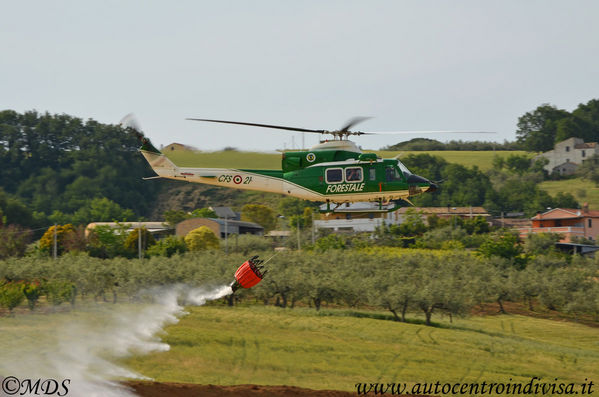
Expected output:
(583, 191)
(235, 159)
(273, 346)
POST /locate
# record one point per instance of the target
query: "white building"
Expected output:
(568, 155)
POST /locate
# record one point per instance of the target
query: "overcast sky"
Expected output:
(412, 65)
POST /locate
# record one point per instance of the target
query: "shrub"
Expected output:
(32, 292)
(47, 240)
(11, 295)
(202, 238)
(58, 291)
(248, 243)
(132, 241)
(168, 247)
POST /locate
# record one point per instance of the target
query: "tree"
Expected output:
(13, 240)
(132, 240)
(32, 292)
(102, 209)
(504, 244)
(60, 163)
(537, 129)
(541, 243)
(107, 242)
(173, 217)
(203, 213)
(168, 247)
(259, 214)
(11, 294)
(47, 240)
(589, 169)
(290, 206)
(202, 238)
(332, 241)
(394, 288)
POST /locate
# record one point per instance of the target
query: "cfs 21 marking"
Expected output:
(236, 179)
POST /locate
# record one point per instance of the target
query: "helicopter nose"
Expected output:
(417, 179)
(432, 187)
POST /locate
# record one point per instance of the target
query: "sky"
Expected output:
(410, 65)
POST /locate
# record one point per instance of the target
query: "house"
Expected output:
(568, 155)
(356, 217)
(220, 227)
(177, 147)
(366, 217)
(568, 222)
(157, 229)
(225, 213)
(447, 212)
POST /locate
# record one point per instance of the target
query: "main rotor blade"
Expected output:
(279, 127)
(421, 132)
(353, 122)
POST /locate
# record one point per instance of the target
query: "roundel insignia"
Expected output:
(311, 157)
(237, 179)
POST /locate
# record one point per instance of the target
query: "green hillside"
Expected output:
(272, 346)
(584, 191)
(235, 159)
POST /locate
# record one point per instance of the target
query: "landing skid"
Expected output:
(364, 207)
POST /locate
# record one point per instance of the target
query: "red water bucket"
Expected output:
(247, 275)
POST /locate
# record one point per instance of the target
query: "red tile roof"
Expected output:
(566, 213)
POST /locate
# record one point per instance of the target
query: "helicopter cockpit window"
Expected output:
(403, 168)
(353, 174)
(334, 175)
(392, 174)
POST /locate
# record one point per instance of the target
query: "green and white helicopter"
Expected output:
(334, 171)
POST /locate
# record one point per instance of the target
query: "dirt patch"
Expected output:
(492, 309)
(159, 389)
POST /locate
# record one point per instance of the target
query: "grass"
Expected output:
(235, 159)
(584, 191)
(272, 346)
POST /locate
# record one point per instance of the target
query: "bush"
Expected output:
(202, 238)
(58, 291)
(11, 295)
(13, 240)
(249, 243)
(332, 241)
(47, 240)
(132, 241)
(32, 292)
(168, 247)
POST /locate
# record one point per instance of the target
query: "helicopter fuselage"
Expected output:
(326, 173)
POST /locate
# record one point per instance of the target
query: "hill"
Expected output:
(584, 191)
(236, 159)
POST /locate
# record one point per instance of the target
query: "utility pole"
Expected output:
(299, 244)
(313, 228)
(139, 240)
(226, 236)
(55, 245)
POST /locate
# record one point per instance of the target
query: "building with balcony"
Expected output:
(570, 223)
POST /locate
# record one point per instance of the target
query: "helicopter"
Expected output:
(335, 171)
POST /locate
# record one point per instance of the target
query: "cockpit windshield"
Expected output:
(403, 168)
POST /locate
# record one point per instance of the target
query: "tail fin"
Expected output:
(158, 161)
